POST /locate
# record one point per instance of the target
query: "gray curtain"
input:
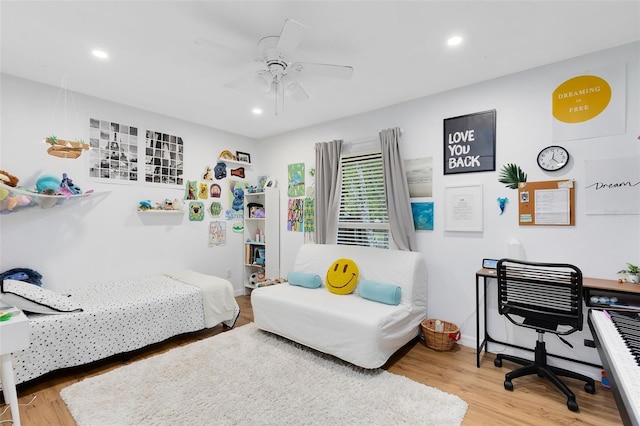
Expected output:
(397, 191)
(327, 191)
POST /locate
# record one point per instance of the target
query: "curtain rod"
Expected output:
(365, 140)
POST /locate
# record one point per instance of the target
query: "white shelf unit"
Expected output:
(269, 244)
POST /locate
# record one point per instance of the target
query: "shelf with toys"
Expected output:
(261, 235)
(50, 191)
(166, 207)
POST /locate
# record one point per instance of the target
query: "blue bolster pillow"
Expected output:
(380, 292)
(304, 279)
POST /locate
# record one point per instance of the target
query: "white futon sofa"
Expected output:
(361, 331)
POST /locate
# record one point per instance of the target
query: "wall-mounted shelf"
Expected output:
(19, 199)
(235, 162)
(160, 211)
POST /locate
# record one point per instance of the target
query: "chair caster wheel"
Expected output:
(589, 388)
(573, 406)
(508, 385)
(497, 362)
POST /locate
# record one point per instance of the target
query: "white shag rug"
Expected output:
(249, 377)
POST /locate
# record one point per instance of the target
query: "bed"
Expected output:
(119, 317)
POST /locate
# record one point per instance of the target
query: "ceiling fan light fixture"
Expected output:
(263, 80)
(286, 81)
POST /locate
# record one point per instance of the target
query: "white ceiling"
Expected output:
(173, 57)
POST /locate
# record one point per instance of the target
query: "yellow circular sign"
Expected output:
(580, 99)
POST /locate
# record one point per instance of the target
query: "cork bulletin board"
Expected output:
(548, 203)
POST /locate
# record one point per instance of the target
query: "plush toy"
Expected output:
(168, 204)
(67, 187)
(253, 278)
(8, 179)
(342, 276)
(48, 182)
(11, 203)
(22, 274)
(144, 205)
(177, 204)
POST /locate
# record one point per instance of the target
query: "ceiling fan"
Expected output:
(278, 73)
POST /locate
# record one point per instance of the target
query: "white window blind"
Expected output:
(363, 218)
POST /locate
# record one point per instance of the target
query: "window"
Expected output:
(363, 218)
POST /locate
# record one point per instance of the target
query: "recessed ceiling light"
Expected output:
(454, 41)
(257, 111)
(99, 54)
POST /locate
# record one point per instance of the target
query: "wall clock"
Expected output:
(553, 158)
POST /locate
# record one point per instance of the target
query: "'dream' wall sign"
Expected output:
(470, 143)
(590, 105)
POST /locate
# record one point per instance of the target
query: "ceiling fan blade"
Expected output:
(342, 72)
(290, 37)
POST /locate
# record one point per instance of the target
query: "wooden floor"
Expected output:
(533, 402)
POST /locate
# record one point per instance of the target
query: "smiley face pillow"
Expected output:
(342, 276)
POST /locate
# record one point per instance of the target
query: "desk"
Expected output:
(14, 336)
(625, 292)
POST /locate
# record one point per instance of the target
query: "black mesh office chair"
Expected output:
(546, 297)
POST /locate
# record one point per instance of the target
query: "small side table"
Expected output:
(14, 336)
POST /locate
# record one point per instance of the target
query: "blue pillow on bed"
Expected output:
(304, 279)
(31, 298)
(380, 292)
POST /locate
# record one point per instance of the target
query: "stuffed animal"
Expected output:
(144, 205)
(67, 187)
(22, 274)
(18, 201)
(8, 179)
(177, 204)
(253, 278)
(167, 204)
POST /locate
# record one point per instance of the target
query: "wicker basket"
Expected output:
(440, 340)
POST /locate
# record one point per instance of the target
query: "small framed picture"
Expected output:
(243, 156)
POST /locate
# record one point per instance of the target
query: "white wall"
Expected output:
(103, 238)
(599, 245)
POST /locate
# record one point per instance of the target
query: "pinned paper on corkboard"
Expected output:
(550, 203)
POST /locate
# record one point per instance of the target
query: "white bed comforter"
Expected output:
(218, 301)
(117, 317)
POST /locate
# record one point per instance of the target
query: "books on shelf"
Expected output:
(254, 254)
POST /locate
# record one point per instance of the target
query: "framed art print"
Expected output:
(463, 208)
(470, 143)
(243, 156)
